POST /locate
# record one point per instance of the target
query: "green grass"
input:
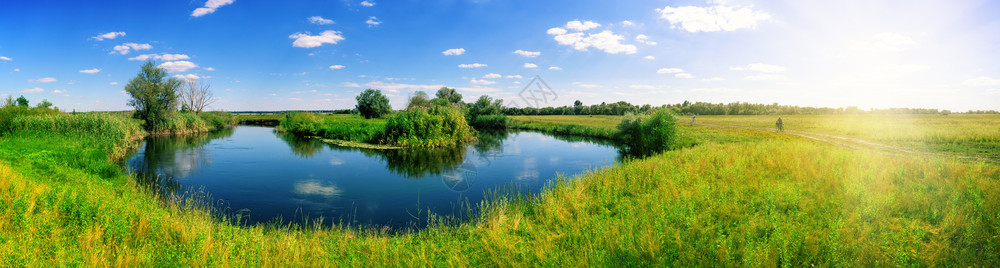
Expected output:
(740, 197)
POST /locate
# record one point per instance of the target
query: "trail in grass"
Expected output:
(856, 144)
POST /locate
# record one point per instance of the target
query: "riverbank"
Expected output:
(739, 197)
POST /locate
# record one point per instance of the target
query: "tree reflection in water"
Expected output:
(166, 158)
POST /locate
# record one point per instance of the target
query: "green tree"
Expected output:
(21, 101)
(487, 112)
(154, 96)
(372, 104)
(447, 96)
(44, 104)
(419, 99)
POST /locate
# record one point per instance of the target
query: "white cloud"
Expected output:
(885, 42)
(649, 58)
(683, 75)
(713, 79)
(528, 54)
(641, 86)
(478, 89)
(583, 85)
(90, 71)
(516, 76)
(628, 23)
(58, 91)
(530, 65)
(712, 19)
(482, 82)
(453, 52)
(555, 68)
(643, 39)
(349, 84)
(165, 57)
(126, 47)
(320, 20)
(396, 87)
(492, 75)
(337, 67)
(582, 25)
(474, 65)
(5, 58)
(109, 36)
(981, 82)
(606, 41)
(32, 90)
(113, 83)
(210, 6)
(43, 80)
(208, 69)
(187, 77)
(177, 66)
(760, 67)
(310, 41)
(764, 77)
(17, 70)
(669, 70)
(373, 21)
(368, 3)
(556, 31)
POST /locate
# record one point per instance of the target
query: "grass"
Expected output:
(741, 197)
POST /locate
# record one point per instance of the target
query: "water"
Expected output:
(260, 175)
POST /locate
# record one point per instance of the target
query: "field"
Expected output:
(730, 196)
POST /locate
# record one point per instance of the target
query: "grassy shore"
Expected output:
(741, 197)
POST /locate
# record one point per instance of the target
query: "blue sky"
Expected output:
(280, 55)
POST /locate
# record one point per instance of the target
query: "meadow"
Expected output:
(728, 197)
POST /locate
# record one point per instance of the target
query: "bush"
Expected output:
(496, 121)
(218, 120)
(648, 134)
(300, 123)
(435, 127)
(487, 113)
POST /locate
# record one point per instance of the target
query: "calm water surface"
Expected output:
(260, 175)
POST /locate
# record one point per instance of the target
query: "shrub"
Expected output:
(487, 113)
(495, 121)
(300, 123)
(648, 134)
(435, 127)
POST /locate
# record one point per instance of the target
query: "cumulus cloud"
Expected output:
(482, 82)
(530, 65)
(711, 19)
(669, 70)
(474, 65)
(5, 58)
(320, 20)
(165, 57)
(187, 77)
(43, 80)
(208, 69)
(113, 83)
(760, 67)
(643, 39)
(368, 3)
(981, 82)
(649, 58)
(310, 41)
(453, 52)
(683, 75)
(628, 23)
(605, 41)
(127, 47)
(555, 68)
(210, 6)
(492, 75)
(337, 67)
(516, 76)
(109, 36)
(56, 91)
(177, 66)
(881, 42)
(90, 71)
(32, 90)
(529, 54)
(373, 21)
(582, 25)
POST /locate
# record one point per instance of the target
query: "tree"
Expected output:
(154, 96)
(44, 104)
(196, 96)
(419, 99)
(21, 101)
(448, 96)
(372, 104)
(486, 106)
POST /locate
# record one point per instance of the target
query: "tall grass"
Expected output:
(112, 133)
(340, 127)
(217, 119)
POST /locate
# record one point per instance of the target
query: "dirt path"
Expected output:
(856, 144)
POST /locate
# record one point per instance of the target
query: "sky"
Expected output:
(312, 55)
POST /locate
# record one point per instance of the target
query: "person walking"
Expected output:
(692, 118)
(780, 126)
